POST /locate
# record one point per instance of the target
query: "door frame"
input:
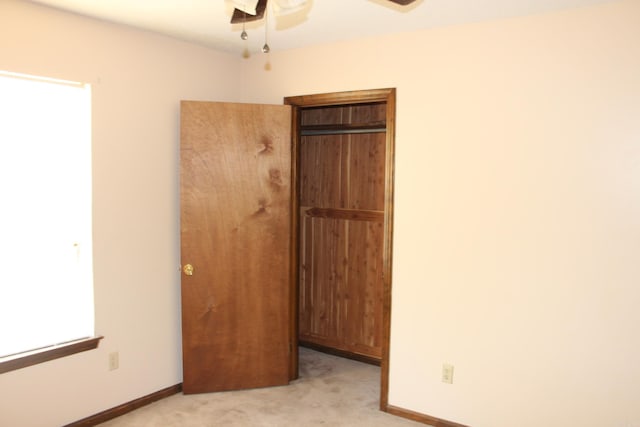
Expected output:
(387, 95)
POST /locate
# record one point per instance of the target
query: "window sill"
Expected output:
(29, 358)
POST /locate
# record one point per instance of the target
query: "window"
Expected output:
(46, 284)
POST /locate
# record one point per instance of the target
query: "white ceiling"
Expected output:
(207, 21)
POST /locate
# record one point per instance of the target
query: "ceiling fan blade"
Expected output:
(402, 2)
(239, 16)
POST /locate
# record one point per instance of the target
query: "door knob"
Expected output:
(188, 270)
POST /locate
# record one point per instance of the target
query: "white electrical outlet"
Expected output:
(114, 361)
(447, 373)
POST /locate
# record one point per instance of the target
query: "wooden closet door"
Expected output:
(342, 231)
(235, 201)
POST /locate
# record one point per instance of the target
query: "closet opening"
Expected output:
(342, 174)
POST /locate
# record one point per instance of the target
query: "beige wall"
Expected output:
(517, 227)
(517, 230)
(138, 79)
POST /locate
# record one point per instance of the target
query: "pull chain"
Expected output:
(266, 48)
(243, 34)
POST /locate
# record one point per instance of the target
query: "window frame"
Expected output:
(41, 355)
(36, 356)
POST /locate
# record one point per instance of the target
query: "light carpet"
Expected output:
(331, 391)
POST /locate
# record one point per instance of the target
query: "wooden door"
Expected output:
(235, 198)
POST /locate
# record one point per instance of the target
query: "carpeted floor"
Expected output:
(331, 391)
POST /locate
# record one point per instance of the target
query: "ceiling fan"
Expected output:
(253, 10)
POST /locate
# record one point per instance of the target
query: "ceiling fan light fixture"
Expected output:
(246, 6)
(288, 6)
(239, 16)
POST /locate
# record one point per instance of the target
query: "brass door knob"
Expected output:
(188, 270)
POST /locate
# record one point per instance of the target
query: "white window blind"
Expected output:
(46, 275)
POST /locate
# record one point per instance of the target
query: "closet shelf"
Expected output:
(336, 129)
